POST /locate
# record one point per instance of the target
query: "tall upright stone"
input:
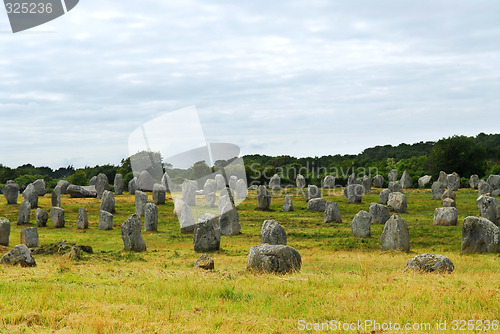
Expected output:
(105, 220)
(360, 225)
(479, 235)
(4, 231)
(474, 181)
(453, 181)
(131, 234)
(489, 208)
(145, 181)
(287, 204)
(494, 182)
(82, 221)
(29, 237)
(300, 181)
(332, 213)
(118, 184)
(11, 192)
(151, 217)
(141, 198)
(263, 198)
(484, 188)
(443, 178)
(437, 190)
(108, 201)
(132, 186)
(232, 182)
(159, 194)
(329, 182)
(23, 217)
(446, 216)
(57, 217)
(393, 175)
(272, 233)
(40, 187)
(354, 193)
(396, 187)
(424, 181)
(165, 180)
(395, 235)
(210, 186)
(379, 213)
(41, 217)
(241, 189)
(185, 215)
(229, 220)
(397, 202)
(312, 192)
(63, 185)
(93, 181)
(210, 199)
(189, 192)
(275, 182)
(31, 195)
(378, 181)
(102, 183)
(56, 196)
(206, 234)
(384, 196)
(221, 181)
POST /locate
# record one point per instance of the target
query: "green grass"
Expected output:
(159, 291)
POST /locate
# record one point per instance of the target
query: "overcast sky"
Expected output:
(303, 78)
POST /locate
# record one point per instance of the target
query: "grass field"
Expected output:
(160, 291)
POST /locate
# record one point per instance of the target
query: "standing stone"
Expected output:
(494, 182)
(93, 181)
(278, 259)
(448, 203)
(189, 192)
(40, 187)
(378, 181)
(105, 220)
(300, 181)
(205, 262)
(379, 213)
(241, 189)
(19, 255)
(151, 217)
(232, 182)
(29, 237)
(360, 225)
(30, 194)
(63, 185)
(453, 181)
(210, 199)
(384, 196)
(108, 201)
(41, 217)
(329, 182)
(287, 204)
(185, 215)
(263, 198)
(316, 204)
(82, 192)
(24, 213)
(446, 217)
(312, 192)
(131, 234)
(395, 235)
(210, 186)
(437, 190)
(56, 196)
(102, 183)
(82, 222)
(118, 184)
(484, 188)
(132, 186)
(221, 181)
(489, 209)
(275, 182)
(159, 194)
(223, 200)
(354, 193)
(145, 181)
(393, 175)
(449, 194)
(351, 179)
(229, 193)
(395, 187)
(474, 181)
(397, 202)
(332, 213)
(206, 235)
(367, 184)
(479, 235)
(229, 220)
(406, 180)
(430, 263)
(11, 192)
(57, 217)
(443, 178)
(141, 198)
(424, 180)
(4, 231)
(272, 233)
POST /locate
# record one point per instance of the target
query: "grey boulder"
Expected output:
(11, 192)
(19, 255)
(131, 234)
(479, 235)
(332, 213)
(206, 235)
(430, 263)
(378, 181)
(263, 198)
(151, 217)
(379, 213)
(278, 259)
(82, 221)
(446, 216)
(316, 204)
(29, 237)
(397, 202)
(4, 231)
(272, 233)
(360, 225)
(287, 204)
(105, 221)
(82, 192)
(395, 235)
(57, 217)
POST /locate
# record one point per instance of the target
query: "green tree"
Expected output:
(79, 178)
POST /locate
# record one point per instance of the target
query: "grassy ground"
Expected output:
(160, 291)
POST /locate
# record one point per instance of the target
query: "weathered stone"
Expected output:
(41, 217)
(189, 188)
(354, 193)
(397, 202)
(185, 215)
(118, 184)
(24, 213)
(159, 194)
(57, 217)
(145, 181)
(141, 198)
(405, 181)
(448, 203)
(393, 175)
(55, 197)
(449, 194)
(29, 237)
(132, 186)
(446, 216)
(19, 255)
(223, 200)
(453, 181)
(430, 263)
(40, 187)
(287, 204)
(378, 181)
(396, 187)
(489, 209)
(229, 221)
(151, 217)
(379, 213)
(102, 183)
(93, 181)
(205, 262)
(300, 181)
(352, 179)
(312, 192)
(241, 189)
(232, 182)
(277, 259)
(438, 190)
(210, 186)
(108, 201)
(494, 181)
(31, 195)
(75, 253)
(263, 198)
(11, 192)
(221, 181)
(395, 235)
(131, 234)
(63, 185)
(424, 180)
(105, 221)
(332, 213)
(210, 199)
(272, 233)
(4, 231)
(316, 204)
(253, 187)
(360, 225)
(329, 182)
(82, 222)
(82, 192)
(227, 192)
(367, 184)
(384, 196)
(484, 188)
(207, 233)
(479, 235)
(474, 181)
(443, 178)
(275, 182)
